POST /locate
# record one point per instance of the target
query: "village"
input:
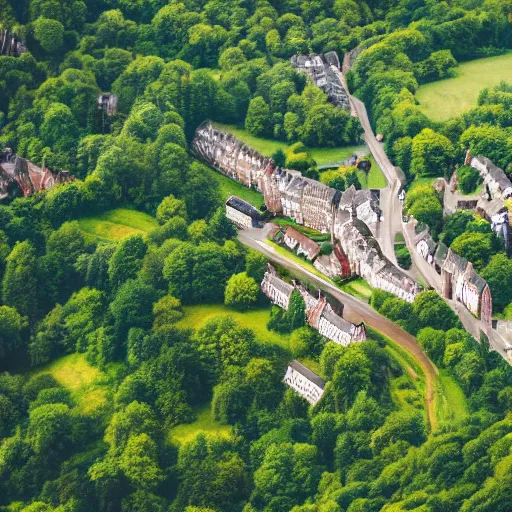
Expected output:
(352, 218)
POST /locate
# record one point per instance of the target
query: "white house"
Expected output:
(303, 381)
(242, 214)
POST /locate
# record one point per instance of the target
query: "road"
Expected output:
(355, 310)
(393, 223)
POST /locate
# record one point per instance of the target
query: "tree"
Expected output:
(498, 274)
(133, 306)
(296, 313)
(454, 226)
(167, 311)
(467, 179)
(279, 157)
(49, 428)
(139, 462)
(432, 154)
(171, 207)
(432, 341)
(432, 311)
(49, 34)
(126, 260)
(258, 119)
(474, 247)
(351, 375)
(201, 193)
(406, 426)
(20, 281)
(241, 291)
(428, 210)
(13, 325)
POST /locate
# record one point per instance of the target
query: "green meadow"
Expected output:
(450, 97)
(117, 224)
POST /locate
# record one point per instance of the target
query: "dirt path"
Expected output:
(355, 311)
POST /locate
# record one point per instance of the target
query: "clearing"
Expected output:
(450, 97)
(358, 288)
(204, 424)
(87, 384)
(450, 402)
(255, 319)
(114, 225)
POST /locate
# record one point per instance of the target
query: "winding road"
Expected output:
(355, 310)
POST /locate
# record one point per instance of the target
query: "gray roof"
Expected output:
(311, 376)
(281, 285)
(496, 173)
(336, 320)
(441, 253)
(491, 207)
(244, 207)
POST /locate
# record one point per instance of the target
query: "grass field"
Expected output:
(116, 224)
(450, 97)
(228, 187)
(254, 319)
(322, 156)
(85, 382)
(358, 288)
(204, 424)
(450, 401)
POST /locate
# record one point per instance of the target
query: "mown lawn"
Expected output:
(450, 97)
(229, 187)
(86, 383)
(204, 424)
(116, 224)
(255, 319)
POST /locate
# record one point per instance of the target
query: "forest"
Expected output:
(119, 308)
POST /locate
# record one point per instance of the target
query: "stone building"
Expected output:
(11, 44)
(495, 180)
(276, 289)
(322, 70)
(367, 261)
(496, 212)
(425, 246)
(321, 316)
(335, 264)
(242, 214)
(460, 282)
(20, 177)
(319, 313)
(303, 381)
(231, 156)
(301, 244)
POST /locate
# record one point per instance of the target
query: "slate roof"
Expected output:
(496, 173)
(425, 236)
(491, 207)
(279, 284)
(441, 253)
(475, 279)
(336, 320)
(244, 207)
(306, 372)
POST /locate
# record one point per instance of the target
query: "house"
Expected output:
(276, 289)
(11, 44)
(335, 264)
(425, 246)
(495, 180)
(20, 177)
(242, 214)
(300, 243)
(496, 212)
(460, 282)
(323, 70)
(303, 381)
(366, 260)
(107, 102)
